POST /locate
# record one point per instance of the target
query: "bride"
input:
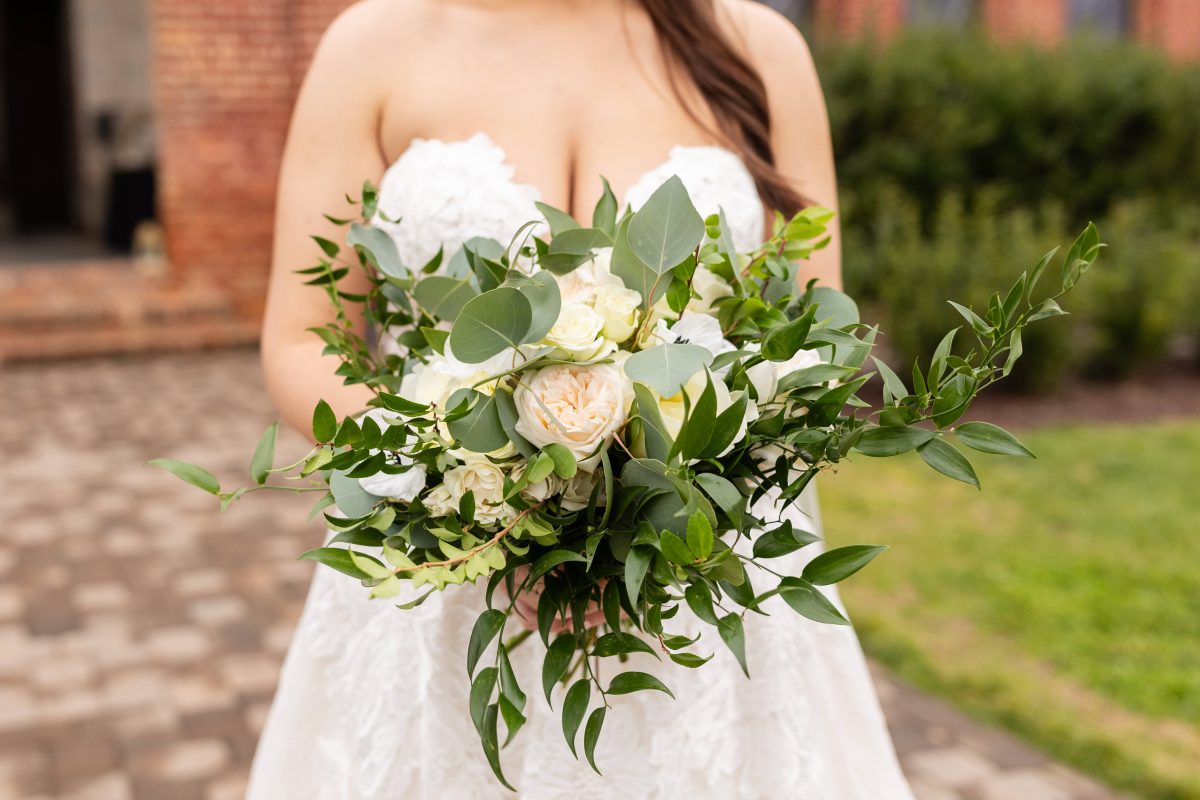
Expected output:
(467, 112)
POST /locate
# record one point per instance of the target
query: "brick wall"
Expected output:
(1173, 25)
(226, 75)
(1039, 20)
(857, 17)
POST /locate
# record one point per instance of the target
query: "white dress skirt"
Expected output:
(372, 701)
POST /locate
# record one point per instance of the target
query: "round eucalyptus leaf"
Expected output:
(490, 323)
(666, 368)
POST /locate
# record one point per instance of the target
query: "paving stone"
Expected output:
(24, 772)
(957, 766)
(184, 761)
(178, 644)
(113, 786)
(101, 596)
(925, 788)
(1027, 784)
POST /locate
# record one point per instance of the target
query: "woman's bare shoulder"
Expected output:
(370, 34)
(770, 40)
(775, 47)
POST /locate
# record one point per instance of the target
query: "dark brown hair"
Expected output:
(692, 39)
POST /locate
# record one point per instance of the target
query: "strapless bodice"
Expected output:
(445, 193)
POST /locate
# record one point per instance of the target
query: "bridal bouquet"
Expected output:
(601, 424)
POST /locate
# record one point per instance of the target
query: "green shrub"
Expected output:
(967, 255)
(1145, 298)
(962, 160)
(1082, 125)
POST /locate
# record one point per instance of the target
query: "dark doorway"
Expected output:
(37, 142)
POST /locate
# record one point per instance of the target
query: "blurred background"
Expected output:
(1036, 642)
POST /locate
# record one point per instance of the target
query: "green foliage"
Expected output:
(952, 150)
(1085, 125)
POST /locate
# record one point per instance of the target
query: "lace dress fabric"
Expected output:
(372, 701)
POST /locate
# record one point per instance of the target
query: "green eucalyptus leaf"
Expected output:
(632, 271)
(443, 296)
(667, 229)
(666, 368)
(636, 565)
(481, 429)
(379, 247)
(489, 324)
(560, 221)
(605, 215)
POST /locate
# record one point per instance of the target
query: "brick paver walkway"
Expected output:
(141, 634)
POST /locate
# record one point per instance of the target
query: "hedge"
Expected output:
(961, 161)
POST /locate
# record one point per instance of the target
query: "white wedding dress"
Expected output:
(372, 701)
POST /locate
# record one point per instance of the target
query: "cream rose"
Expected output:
(710, 287)
(578, 492)
(486, 481)
(577, 406)
(618, 307)
(578, 333)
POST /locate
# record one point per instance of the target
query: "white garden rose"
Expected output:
(580, 284)
(578, 333)
(440, 503)
(486, 481)
(711, 287)
(542, 490)
(618, 307)
(577, 406)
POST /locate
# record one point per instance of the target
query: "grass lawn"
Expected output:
(1063, 602)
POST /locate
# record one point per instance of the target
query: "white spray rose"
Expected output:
(577, 406)
(486, 481)
(580, 284)
(711, 287)
(578, 333)
(618, 307)
(578, 492)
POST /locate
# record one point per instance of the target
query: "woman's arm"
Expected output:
(332, 148)
(800, 124)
